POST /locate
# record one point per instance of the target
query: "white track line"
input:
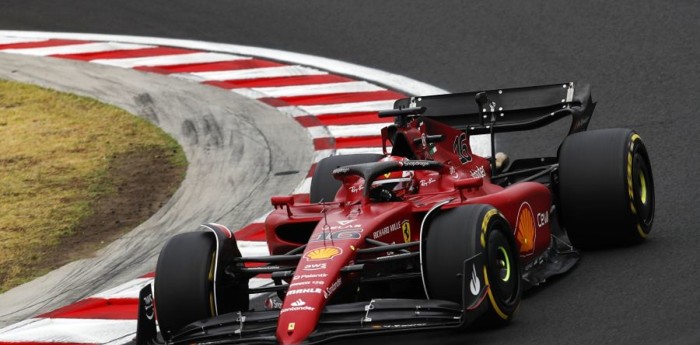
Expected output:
(355, 107)
(15, 40)
(350, 131)
(252, 73)
(309, 90)
(96, 47)
(95, 331)
(169, 60)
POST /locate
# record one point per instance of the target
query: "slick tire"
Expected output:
(184, 281)
(455, 236)
(323, 185)
(606, 188)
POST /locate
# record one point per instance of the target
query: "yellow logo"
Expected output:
(406, 231)
(525, 230)
(387, 175)
(324, 253)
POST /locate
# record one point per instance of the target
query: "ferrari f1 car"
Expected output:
(426, 236)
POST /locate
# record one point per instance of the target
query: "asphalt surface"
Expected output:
(641, 58)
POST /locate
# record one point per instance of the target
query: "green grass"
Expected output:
(55, 154)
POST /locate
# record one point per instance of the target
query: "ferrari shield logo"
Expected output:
(406, 231)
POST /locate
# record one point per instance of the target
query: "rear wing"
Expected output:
(515, 109)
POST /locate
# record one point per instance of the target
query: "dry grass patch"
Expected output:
(60, 156)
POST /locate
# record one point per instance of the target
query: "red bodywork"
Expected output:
(334, 231)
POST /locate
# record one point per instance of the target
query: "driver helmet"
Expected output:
(398, 182)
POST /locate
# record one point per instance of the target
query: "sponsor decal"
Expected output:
(404, 225)
(305, 291)
(346, 222)
(295, 284)
(418, 164)
(341, 171)
(386, 230)
(314, 267)
(479, 172)
(357, 189)
(461, 149)
(406, 325)
(475, 283)
(453, 172)
(344, 227)
(298, 303)
(290, 327)
(148, 306)
(525, 232)
(387, 175)
(304, 308)
(308, 282)
(340, 235)
(273, 303)
(428, 182)
(325, 253)
(331, 289)
(542, 219)
(310, 276)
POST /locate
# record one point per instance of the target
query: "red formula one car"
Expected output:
(426, 236)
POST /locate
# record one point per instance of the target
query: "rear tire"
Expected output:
(455, 236)
(323, 185)
(606, 188)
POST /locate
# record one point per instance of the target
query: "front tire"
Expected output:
(184, 281)
(444, 260)
(606, 188)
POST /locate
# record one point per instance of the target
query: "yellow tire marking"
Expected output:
(212, 307)
(498, 310)
(641, 231)
(485, 224)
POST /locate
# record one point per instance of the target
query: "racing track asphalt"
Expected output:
(640, 57)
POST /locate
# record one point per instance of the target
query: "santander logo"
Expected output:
(298, 303)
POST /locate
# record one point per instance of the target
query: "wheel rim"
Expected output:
(643, 190)
(500, 267)
(504, 264)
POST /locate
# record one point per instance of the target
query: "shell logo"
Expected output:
(324, 253)
(525, 229)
